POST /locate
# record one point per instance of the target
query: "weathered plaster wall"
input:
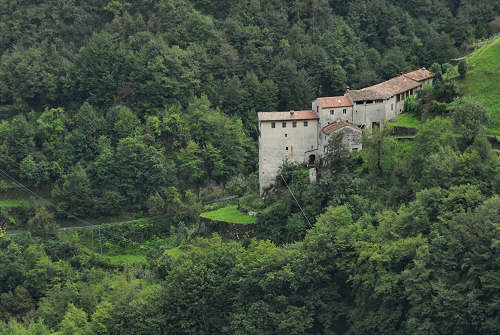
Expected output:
(277, 144)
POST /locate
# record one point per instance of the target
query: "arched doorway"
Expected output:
(312, 159)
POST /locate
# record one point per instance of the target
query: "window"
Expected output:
(286, 135)
(359, 102)
(273, 125)
(344, 111)
(332, 112)
(411, 91)
(392, 107)
(286, 148)
(305, 123)
(398, 97)
(369, 101)
(317, 109)
(283, 124)
(379, 101)
(294, 124)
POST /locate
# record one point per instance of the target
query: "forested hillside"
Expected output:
(139, 109)
(107, 105)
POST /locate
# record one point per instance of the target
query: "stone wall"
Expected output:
(234, 231)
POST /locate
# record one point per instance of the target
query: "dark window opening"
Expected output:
(283, 124)
(379, 101)
(359, 102)
(344, 111)
(294, 124)
(286, 135)
(312, 159)
(317, 109)
(286, 148)
(305, 123)
(332, 112)
(369, 101)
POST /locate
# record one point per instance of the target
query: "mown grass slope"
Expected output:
(405, 120)
(483, 80)
(229, 214)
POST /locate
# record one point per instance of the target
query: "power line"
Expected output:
(4, 173)
(289, 190)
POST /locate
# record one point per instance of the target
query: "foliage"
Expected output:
(482, 80)
(137, 106)
(229, 214)
(405, 120)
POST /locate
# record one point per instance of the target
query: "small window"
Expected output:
(359, 102)
(354, 149)
(369, 101)
(392, 107)
(273, 125)
(294, 124)
(286, 148)
(305, 123)
(332, 112)
(398, 97)
(286, 135)
(379, 101)
(344, 111)
(283, 124)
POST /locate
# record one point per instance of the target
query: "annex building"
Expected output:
(302, 136)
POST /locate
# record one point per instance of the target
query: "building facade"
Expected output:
(302, 136)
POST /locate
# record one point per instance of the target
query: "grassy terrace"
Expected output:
(406, 120)
(229, 214)
(12, 202)
(483, 81)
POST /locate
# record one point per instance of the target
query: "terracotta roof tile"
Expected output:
(420, 74)
(334, 102)
(288, 116)
(384, 90)
(333, 127)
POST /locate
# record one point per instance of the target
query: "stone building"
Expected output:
(302, 136)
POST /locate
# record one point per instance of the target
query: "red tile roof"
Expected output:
(420, 74)
(334, 102)
(384, 90)
(333, 127)
(288, 116)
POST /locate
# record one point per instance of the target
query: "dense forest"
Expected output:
(149, 108)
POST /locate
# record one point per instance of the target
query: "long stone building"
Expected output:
(302, 136)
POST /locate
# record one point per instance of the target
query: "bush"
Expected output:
(412, 106)
(251, 203)
(237, 186)
(462, 69)
(439, 108)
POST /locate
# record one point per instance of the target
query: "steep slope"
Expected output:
(483, 80)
